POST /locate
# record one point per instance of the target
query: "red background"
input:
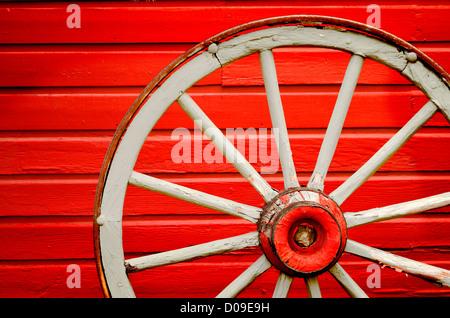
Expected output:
(64, 91)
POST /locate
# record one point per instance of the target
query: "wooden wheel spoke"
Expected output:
(397, 210)
(246, 278)
(213, 202)
(226, 147)
(336, 123)
(427, 272)
(384, 153)
(192, 252)
(283, 285)
(347, 282)
(277, 116)
(312, 287)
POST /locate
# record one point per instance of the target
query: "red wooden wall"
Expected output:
(64, 90)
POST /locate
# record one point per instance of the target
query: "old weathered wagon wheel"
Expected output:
(301, 230)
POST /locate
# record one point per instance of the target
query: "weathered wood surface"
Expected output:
(372, 106)
(115, 66)
(269, 72)
(118, 22)
(336, 123)
(64, 91)
(192, 252)
(245, 279)
(157, 234)
(29, 153)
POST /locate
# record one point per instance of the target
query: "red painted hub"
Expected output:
(302, 232)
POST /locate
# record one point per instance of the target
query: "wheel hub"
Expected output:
(303, 232)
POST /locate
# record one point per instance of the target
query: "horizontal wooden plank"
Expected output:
(48, 279)
(407, 233)
(91, 65)
(175, 21)
(62, 195)
(137, 64)
(317, 66)
(83, 152)
(392, 283)
(383, 189)
(63, 91)
(418, 231)
(60, 109)
(71, 238)
(80, 108)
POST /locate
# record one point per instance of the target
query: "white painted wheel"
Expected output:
(173, 84)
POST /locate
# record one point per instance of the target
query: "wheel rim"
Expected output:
(260, 37)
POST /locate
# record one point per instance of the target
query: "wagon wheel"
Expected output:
(301, 230)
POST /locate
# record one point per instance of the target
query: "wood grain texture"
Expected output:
(117, 22)
(77, 108)
(70, 237)
(64, 91)
(137, 64)
(88, 65)
(47, 279)
(69, 195)
(83, 152)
